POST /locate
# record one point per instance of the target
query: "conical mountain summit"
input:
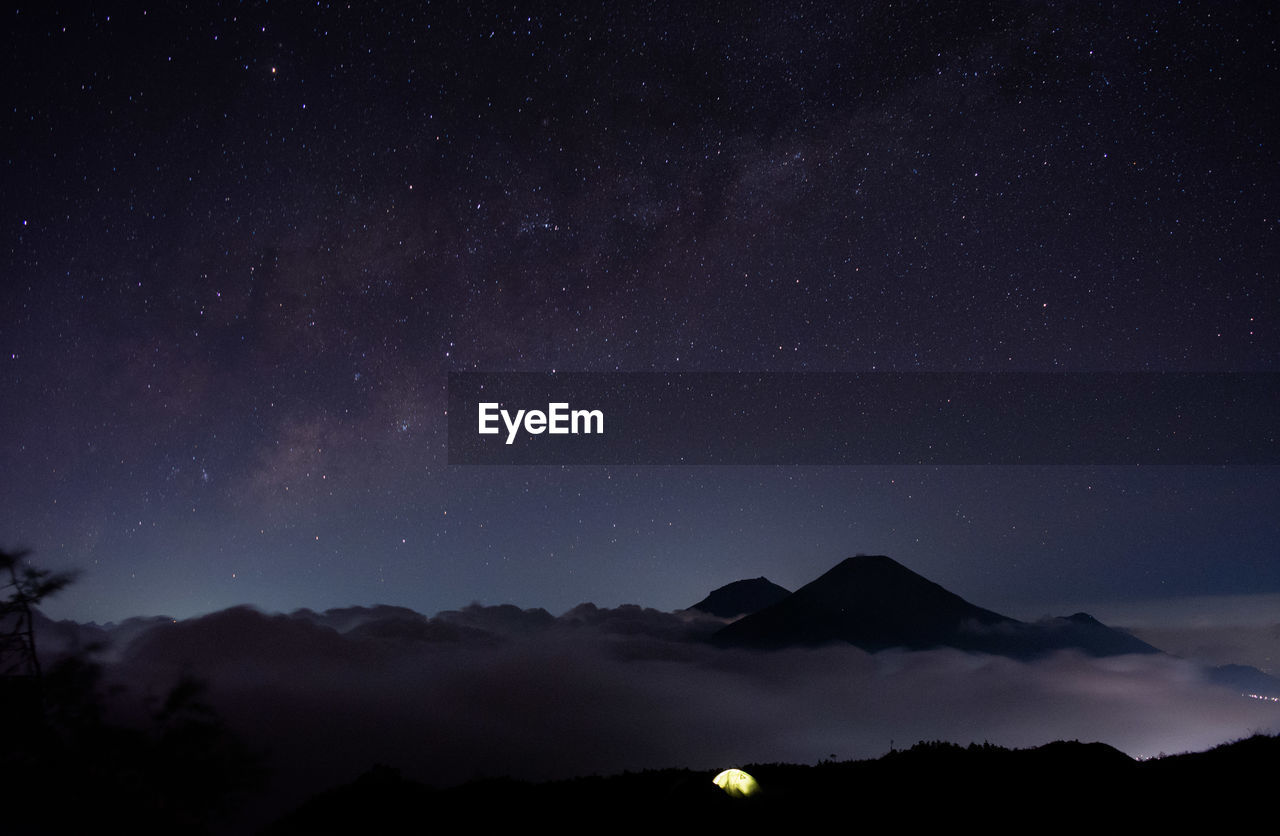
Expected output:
(876, 603)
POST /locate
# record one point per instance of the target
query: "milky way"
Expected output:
(244, 245)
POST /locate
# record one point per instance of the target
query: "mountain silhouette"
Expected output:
(873, 602)
(741, 598)
(1246, 679)
(876, 603)
(1084, 632)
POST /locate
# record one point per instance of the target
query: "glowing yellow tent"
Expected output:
(737, 783)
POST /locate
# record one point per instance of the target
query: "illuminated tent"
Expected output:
(737, 783)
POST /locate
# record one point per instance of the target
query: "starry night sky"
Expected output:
(244, 244)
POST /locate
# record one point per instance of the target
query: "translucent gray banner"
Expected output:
(1122, 418)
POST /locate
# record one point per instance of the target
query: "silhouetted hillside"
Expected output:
(932, 784)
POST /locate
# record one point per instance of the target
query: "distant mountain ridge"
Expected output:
(876, 603)
(872, 602)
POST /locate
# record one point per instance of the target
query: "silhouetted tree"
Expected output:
(72, 768)
(27, 586)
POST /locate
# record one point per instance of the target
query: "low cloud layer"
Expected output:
(491, 691)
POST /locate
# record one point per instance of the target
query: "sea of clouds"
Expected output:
(498, 691)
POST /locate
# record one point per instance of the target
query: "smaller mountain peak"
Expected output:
(742, 598)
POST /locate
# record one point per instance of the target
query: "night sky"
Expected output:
(244, 244)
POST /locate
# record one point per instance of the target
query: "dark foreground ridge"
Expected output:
(876, 603)
(931, 784)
